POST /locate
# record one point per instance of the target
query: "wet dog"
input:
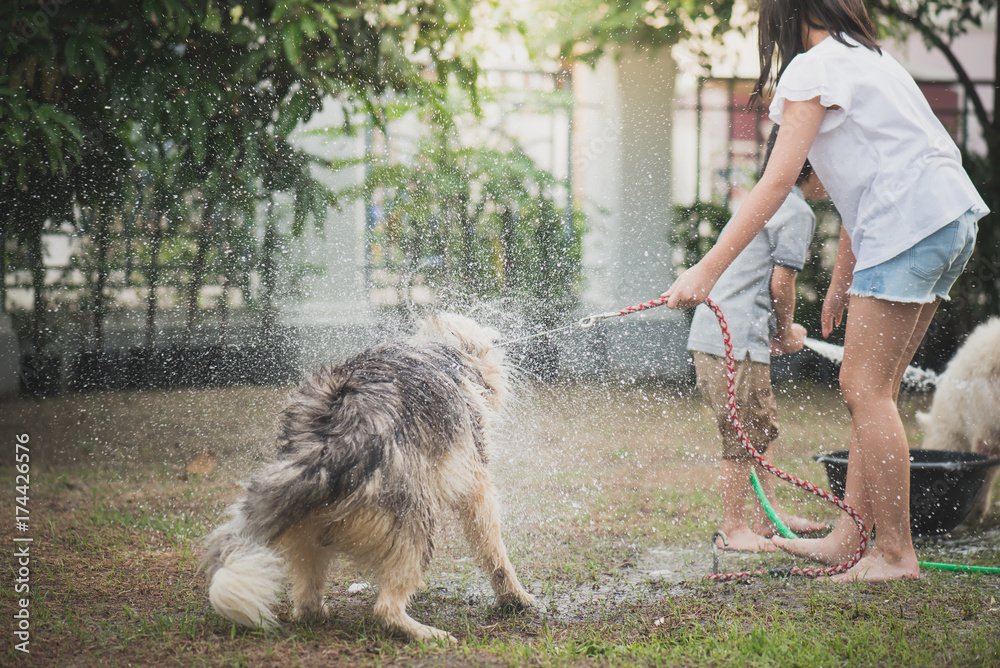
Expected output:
(369, 453)
(965, 412)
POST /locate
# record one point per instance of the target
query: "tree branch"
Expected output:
(970, 88)
(996, 78)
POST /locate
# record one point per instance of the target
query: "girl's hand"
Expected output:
(833, 308)
(840, 282)
(691, 288)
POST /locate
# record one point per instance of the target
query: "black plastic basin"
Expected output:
(943, 485)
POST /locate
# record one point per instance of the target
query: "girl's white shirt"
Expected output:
(889, 166)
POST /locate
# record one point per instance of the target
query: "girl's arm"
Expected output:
(799, 124)
(840, 282)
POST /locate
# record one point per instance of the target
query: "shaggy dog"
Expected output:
(369, 452)
(965, 412)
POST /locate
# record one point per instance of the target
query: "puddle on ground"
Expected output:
(656, 573)
(666, 566)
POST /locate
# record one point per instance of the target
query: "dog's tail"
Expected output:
(245, 575)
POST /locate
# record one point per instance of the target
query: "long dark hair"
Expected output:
(779, 28)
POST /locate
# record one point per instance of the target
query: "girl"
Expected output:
(910, 217)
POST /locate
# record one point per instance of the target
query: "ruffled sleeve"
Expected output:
(807, 77)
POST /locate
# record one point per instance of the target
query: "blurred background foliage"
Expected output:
(161, 133)
(160, 130)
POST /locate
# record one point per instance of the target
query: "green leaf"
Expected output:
(199, 147)
(68, 122)
(329, 133)
(280, 8)
(52, 148)
(213, 19)
(72, 53)
(290, 115)
(291, 40)
(309, 26)
(15, 133)
(96, 56)
(329, 17)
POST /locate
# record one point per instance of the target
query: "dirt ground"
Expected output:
(609, 494)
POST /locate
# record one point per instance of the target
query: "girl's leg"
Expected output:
(881, 339)
(841, 543)
(927, 312)
(856, 497)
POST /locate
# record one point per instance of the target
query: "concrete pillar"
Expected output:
(622, 148)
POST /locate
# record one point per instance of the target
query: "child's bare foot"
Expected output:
(745, 540)
(824, 550)
(875, 568)
(797, 525)
(803, 525)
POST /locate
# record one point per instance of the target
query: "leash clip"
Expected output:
(715, 549)
(591, 320)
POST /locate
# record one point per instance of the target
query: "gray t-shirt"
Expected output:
(743, 292)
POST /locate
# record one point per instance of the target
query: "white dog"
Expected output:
(965, 412)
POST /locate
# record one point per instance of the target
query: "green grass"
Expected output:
(610, 498)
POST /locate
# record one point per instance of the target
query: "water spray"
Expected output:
(914, 376)
(585, 323)
(589, 321)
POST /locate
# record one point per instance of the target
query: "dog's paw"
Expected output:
(306, 615)
(428, 633)
(516, 602)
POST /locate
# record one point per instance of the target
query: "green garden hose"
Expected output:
(788, 533)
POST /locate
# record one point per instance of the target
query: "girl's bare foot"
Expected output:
(797, 525)
(745, 540)
(803, 525)
(875, 568)
(830, 550)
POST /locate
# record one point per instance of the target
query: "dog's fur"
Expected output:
(369, 453)
(965, 412)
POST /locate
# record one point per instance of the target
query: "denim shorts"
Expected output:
(925, 271)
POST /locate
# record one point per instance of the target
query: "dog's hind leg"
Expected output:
(400, 573)
(480, 517)
(390, 607)
(308, 563)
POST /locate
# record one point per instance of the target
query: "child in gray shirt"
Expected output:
(757, 296)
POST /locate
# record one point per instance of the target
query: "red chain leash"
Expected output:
(804, 484)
